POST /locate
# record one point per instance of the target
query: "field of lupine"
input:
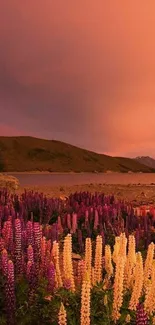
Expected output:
(85, 260)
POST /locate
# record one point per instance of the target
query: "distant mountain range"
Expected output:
(19, 154)
(146, 160)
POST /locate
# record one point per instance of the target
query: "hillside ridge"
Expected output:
(146, 160)
(25, 153)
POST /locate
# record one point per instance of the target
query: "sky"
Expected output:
(79, 71)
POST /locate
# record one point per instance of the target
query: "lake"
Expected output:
(80, 179)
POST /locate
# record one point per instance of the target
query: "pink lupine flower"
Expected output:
(4, 260)
(10, 294)
(29, 232)
(32, 280)
(18, 246)
(141, 316)
(2, 244)
(30, 256)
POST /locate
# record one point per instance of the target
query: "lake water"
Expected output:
(79, 179)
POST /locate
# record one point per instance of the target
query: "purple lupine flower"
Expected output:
(24, 240)
(60, 229)
(18, 246)
(51, 276)
(80, 240)
(10, 294)
(141, 316)
(54, 232)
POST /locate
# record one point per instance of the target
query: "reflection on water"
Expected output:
(79, 179)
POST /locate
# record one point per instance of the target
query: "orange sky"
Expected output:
(80, 71)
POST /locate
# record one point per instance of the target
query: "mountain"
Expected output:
(146, 160)
(32, 154)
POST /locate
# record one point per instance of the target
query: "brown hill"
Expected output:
(32, 154)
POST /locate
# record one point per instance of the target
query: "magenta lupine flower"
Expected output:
(43, 254)
(24, 240)
(4, 231)
(96, 221)
(74, 222)
(18, 246)
(10, 294)
(0, 222)
(86, 216)
(137, 238)
(60, 229)
(28, 269)
(29, 232)
(80, 240)
(54, 232)
(51, 277)
(2, 244)
(68, 221)
(49, 245)
(4, 260)
(141, 316)
(8, 235)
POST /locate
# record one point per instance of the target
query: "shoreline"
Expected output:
(136, 194)
(33, 172)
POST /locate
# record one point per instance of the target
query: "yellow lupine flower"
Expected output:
(138, 282)
(98, 260)
(108, 261)
(118, 288)
(67, 261)
(88, 256)
(85, 301)
(62, 316)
